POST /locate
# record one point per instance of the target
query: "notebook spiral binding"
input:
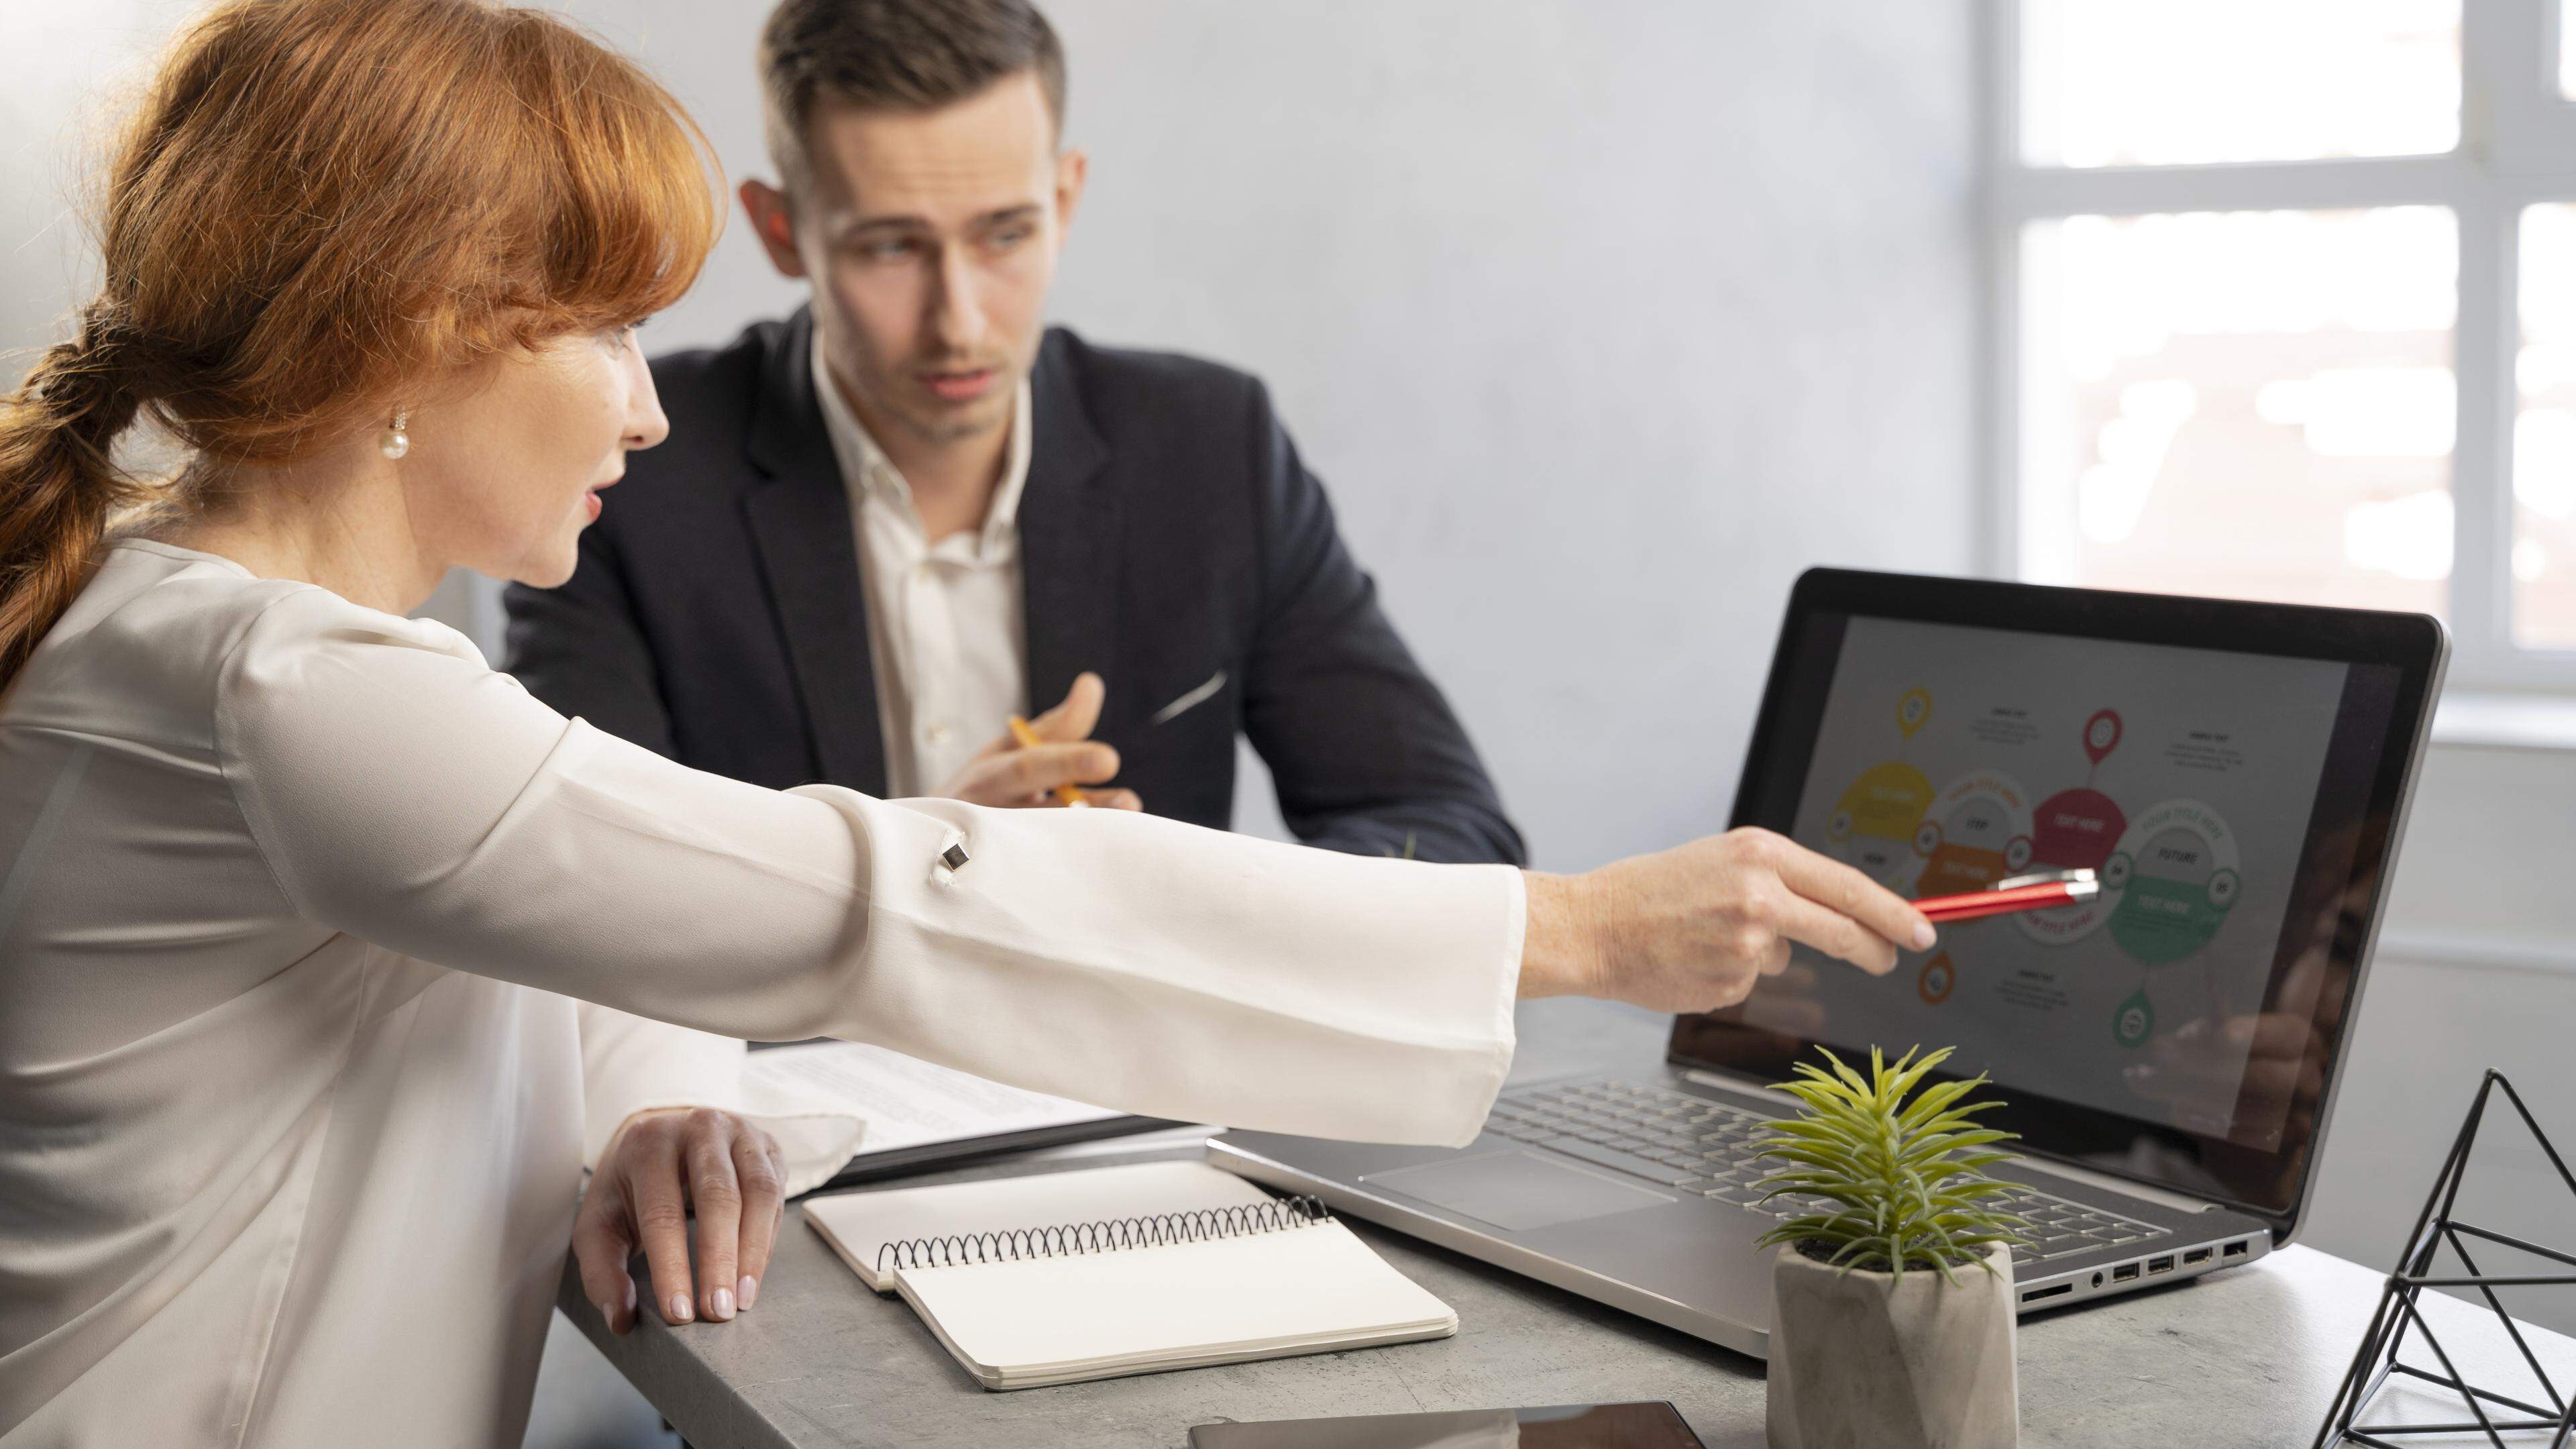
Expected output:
(1065, 1240)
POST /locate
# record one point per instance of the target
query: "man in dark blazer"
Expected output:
(1160, 532)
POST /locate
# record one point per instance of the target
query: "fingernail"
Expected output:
(1924, 936)
(720, 1304)
(749, 1291)
(607, 1315)
(680, 1311)
(630, 1295)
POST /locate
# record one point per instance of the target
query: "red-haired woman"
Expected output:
(320, 940)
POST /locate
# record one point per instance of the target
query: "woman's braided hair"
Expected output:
(58, 482)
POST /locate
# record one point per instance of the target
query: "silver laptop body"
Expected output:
(1633, 1186)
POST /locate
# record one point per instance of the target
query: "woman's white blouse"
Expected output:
(303, 911)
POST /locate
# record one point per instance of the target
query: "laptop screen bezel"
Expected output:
(2415, 645)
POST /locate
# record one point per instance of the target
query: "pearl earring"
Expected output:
(394, 441)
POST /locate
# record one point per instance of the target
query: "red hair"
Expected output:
(319, 207)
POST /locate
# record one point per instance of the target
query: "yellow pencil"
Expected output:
(1028, 738)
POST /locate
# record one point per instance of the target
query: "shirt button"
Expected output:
(938, 734)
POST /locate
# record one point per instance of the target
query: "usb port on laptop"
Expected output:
(2124, 1273)
(2196, 1255)
(2160, 1265)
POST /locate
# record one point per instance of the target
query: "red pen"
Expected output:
(2021, 893)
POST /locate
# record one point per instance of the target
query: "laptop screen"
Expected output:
(2230, 772)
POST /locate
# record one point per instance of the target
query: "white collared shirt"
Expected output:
(946, 631)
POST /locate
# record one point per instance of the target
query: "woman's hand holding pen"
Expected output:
(1692, 928)
(1048, 768)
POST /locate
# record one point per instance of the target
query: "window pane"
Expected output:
(2544, 434)
(2256, 404)
(2176, 82)
(2566, 53)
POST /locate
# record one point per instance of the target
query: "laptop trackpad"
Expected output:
(1515, 1190)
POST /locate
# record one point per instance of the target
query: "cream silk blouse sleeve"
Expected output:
(403, 792)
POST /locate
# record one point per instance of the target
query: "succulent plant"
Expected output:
(1907, 1178)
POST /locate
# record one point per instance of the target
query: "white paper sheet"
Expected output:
(904, 1101)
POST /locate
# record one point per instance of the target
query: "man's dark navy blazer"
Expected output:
(1169, 536)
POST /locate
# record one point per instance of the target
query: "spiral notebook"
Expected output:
(1067, 1276)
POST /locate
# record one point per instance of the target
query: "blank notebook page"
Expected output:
(1052, 1320)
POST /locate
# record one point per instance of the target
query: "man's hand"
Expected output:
(659, 1165)
(1692, 928)
(1002, 773)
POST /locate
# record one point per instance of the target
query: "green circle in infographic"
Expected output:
(2134, 1021)
(2172, 881)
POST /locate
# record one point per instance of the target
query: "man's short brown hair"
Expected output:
(910, 55)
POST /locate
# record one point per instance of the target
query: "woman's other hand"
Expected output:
(658, 1166)
(1692, 928)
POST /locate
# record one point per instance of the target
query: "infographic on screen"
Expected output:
(1951, 758)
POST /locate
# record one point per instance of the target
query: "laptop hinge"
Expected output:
(1736, 1085)
(2165, 1197)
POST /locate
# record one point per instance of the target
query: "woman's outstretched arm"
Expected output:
(407, 794)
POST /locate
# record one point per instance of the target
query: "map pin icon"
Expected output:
(2101, 735)
(2134, 1021)
(1912, 710)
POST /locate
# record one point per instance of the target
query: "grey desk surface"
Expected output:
(2247, 1357)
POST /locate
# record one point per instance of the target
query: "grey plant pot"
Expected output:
(1870, 1361)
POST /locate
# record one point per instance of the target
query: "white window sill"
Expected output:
(2498, 721)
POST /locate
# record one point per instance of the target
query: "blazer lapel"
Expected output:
(1068, 525)
(800, 522)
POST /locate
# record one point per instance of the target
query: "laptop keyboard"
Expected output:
(1692, 1144)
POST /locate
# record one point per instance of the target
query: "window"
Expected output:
(2287, 308)
(2544, 432)
(2189, 82)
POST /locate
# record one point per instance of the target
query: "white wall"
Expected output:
(2476, 969)
(1601, 321)
(61, 68)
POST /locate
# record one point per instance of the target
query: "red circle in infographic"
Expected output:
(2076, 829)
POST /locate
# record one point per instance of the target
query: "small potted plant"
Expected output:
(1891, 1302)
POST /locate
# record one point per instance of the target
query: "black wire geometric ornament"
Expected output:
(2435, 1228)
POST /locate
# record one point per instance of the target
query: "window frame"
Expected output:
(2517, 147)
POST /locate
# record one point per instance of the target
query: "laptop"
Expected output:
(2236, 775)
